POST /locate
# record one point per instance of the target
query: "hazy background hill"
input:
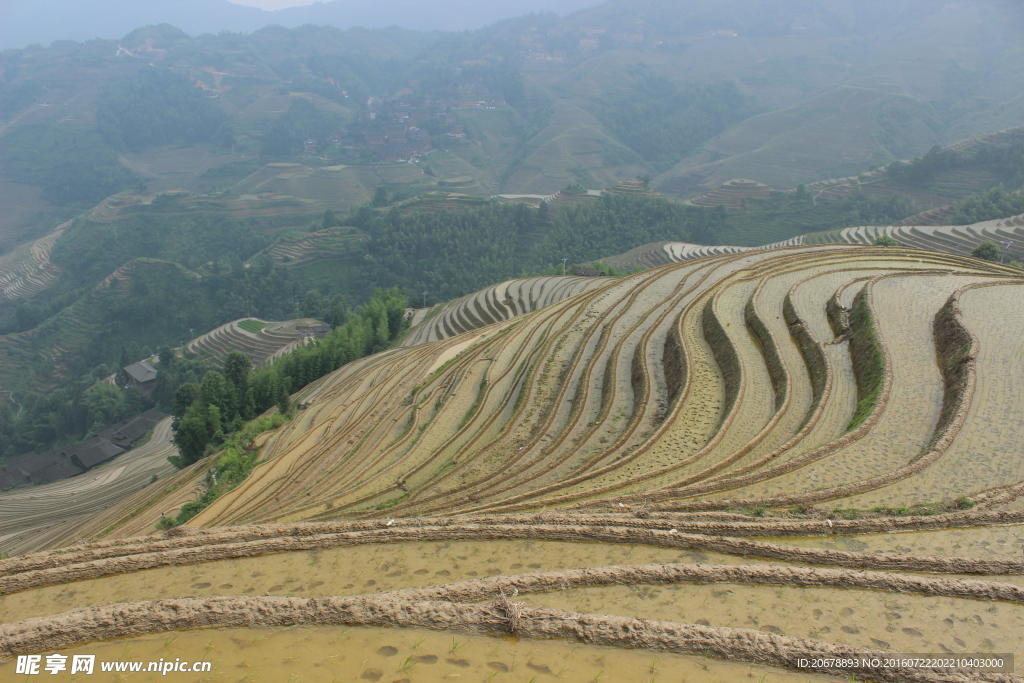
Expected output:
(24, 22)
(169, 178)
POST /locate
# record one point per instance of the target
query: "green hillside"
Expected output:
(292, 172)
(781, 93)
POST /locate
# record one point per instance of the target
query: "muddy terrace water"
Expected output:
(355, 655)
(341, 571)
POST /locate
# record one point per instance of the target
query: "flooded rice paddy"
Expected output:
(984, 542)
(392, 655)
(341, 571)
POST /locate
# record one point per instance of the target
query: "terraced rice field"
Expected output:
(336, 187)
(718, 466)
(316, 246)
(260, 340)
(27, 270)
(733, 193)
(41, 516)
(954, 239)
(499, 302)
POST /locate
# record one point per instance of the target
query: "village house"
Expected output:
(68, 461)
(141, 376)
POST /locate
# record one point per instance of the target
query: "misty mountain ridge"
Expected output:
(27, 22)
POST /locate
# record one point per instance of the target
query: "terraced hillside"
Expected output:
(953, 239)
(27, 270)
(335, 187)
(704, 460)
(733, 193)
(494, 304)
(260, 340)
(320, 245)
(40, 516)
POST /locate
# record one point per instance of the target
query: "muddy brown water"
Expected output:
(860, 618)
(872, 620)
(394, 655)
(342, 571)
(984, 542)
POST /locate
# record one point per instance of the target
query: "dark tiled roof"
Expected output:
(141, 372)
(61, 463)
(10, 477)
(94, 451)
(53, 466)
(125, 434)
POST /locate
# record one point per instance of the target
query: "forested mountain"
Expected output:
(167, 182)
(44, 21)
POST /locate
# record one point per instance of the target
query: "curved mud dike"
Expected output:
(957, 350)
(64, 572)
(473, 590)
(769, 351)
(501, 616)
(707, 523)
(799, 461)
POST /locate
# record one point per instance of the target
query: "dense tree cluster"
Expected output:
(90, 250)
(1003, 157)
(75, 166)
(42, 421)
(303, 121)
(617, 223)
(663, 122)
(158, 107)
(923, 169)
(221, 403)
(450, 254)
(987, 206)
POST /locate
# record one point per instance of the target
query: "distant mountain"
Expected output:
(25, 22)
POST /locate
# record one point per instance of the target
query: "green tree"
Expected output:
(337, 311)
(987, 251)
(236, 369)
(380, 197)
(122, 379)
(184, 396)
(886, 241)
(198, 428)
(312, 304)
(543, 213)
(236, 373)
(211, 389)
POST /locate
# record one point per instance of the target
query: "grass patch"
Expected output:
(476, 404)
(915, 510)
(253, 326)
(237, 460)
(393, 502)
(868, 359)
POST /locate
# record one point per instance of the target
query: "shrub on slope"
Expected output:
(158, 107)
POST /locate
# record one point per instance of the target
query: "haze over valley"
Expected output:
(656, 340)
